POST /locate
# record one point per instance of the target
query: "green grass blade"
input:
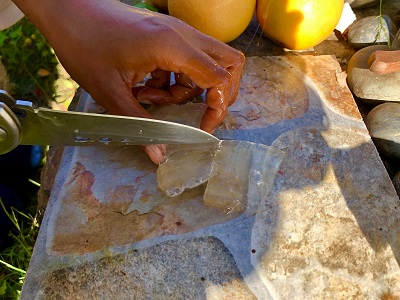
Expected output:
(12, 267)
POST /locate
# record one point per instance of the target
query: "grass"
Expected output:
(32, 69)
(381, 27)
(30, 63)
(14, 260)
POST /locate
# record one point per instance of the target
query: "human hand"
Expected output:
(108, 47)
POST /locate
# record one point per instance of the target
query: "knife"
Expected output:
(22, 124)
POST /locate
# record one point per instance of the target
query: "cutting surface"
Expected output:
(329, 225)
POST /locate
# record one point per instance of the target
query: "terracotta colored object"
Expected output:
(384, 62)
(368, 85)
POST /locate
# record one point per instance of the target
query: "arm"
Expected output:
(108, 47)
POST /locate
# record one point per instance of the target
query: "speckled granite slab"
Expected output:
(328, 229)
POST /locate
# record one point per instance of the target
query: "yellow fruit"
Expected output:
(224, 20)
(298, 24)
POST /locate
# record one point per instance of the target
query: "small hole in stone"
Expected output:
(178, 223)
(380, 229)
(202, 279)
(253, 250)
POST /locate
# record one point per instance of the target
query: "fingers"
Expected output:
(206, 62)
(195, 64)
(233, 61)
(174, 95)
(159, 79)
(123, 103)
(221, 97)
(225, 55)
(216, 110)
(233, 88)
(204, 69)
(184, 80)
(115, 95)
(119, 100)
(156, 153)
(229, 58)
(183, 90)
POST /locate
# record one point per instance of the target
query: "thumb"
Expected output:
(120, 101)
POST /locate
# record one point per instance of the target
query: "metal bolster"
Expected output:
(10, 127)
(7, 99)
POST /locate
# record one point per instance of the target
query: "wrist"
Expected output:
(75, 18)
(69, 17)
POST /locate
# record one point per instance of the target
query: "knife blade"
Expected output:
(41, 126)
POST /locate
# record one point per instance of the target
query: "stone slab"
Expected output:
(328, 229)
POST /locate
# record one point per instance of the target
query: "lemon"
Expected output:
(224, 20)
(298, 24)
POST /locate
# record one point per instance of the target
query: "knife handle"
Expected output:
(10, 129)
